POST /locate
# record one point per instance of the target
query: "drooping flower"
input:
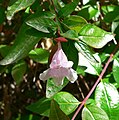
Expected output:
(60, 68)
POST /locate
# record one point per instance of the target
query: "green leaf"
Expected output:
(26, 117)
(56, 113)
(58, 4)
(52, 88)
(67, 102)
(112, 14)
(42, 24)
(92, 112)
(70, 34)
(75, 22)
(85, 50)
(108, 8)
(95, 36)
(107, 98)
(93, 68)
(116, 69)
(17, 6)
(81, 70)
(88, 12)
(71, 52)
(25, 41)
(41, 107)
(39, 55)
(68, 9)
(18, 71)
(2, 14)
(4, 49)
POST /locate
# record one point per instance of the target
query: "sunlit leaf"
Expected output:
(116, 69)
(25, 41)
(88, 12)
(85, 50)
(17, 6)
(42, 24)
(52, 88)
(95, 36)
(112, 14)
(92, 67)
(67, 102)
(70, 34)
(107, 98)
(75, 22)
(56, 113)
(39, 55)
(92, 112)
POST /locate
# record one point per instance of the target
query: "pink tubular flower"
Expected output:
(60, 68)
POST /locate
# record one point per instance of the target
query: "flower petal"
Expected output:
(58, 72)
(72, 75)
(45, 75)
(58, 81)
(69, 64)
(59, 58)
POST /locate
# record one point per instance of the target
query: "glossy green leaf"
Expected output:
(115, 28)
(68, 9)
(41, 107)
(112, 14)
(39, 55)
(18, 71)
(70, 34)
(88, 12)
(108, 8)
(75, 22)
(52, 88)
(17, 6)
(25, 41)
(93, 68)
(67, 102)
(116, 69)
(107, 98)
(85, 50)
(92, 112)
(95, 36)
(81, 70)
(42, 24)
(56, 113)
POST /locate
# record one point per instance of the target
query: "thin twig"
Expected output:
(96, 83)
(80, 90)
(84, 81)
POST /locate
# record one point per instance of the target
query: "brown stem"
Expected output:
(96, 83)
(84, 81)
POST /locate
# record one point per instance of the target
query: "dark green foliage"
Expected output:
(28, 29)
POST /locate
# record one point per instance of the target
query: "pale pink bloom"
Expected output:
(60, 68)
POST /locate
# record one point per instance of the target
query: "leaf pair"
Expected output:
(67, 103)
(106, 105)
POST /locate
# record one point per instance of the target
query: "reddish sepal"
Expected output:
(61, 39)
